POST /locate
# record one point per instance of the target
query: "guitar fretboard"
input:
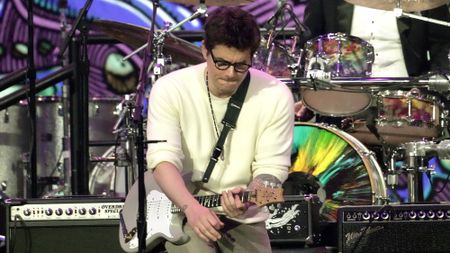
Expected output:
(211, 201)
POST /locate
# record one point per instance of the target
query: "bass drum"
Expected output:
(345, 170)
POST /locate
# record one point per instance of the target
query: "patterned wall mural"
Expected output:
(109, 76)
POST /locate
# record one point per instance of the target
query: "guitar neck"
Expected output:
(211, 201)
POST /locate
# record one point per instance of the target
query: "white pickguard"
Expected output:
(162, 223)
(160, 218)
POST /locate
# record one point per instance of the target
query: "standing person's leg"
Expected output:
(194, 245)
(245, 238)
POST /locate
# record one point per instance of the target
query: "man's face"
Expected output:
(224, 79)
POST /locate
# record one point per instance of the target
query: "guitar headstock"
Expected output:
(264, 194)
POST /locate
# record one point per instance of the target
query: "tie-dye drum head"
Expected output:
(346, 171)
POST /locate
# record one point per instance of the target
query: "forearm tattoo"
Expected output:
(265, 179)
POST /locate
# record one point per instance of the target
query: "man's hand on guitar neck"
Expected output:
(232, 204)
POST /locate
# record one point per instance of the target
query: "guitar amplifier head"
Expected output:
(295, 221)
(394, 228)
(72, 225)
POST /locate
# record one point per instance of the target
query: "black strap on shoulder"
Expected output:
(229, 122)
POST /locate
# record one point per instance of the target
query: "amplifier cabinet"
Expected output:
(394, 228)
(295, 221)
(61, 225)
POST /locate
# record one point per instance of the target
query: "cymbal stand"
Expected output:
(201, 11)
(65, 104)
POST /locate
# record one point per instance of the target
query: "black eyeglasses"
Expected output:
(223, 65)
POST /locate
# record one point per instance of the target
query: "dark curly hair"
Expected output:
(232, 27)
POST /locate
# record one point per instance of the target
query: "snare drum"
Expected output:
(347, 172)
(338, 55)
(403, 116)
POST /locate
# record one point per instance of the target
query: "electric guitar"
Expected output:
(164, 219)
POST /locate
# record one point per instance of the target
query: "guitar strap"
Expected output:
(229, 122)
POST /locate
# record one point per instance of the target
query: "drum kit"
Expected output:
(410, 123)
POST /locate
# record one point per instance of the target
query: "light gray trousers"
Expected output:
(236, 237)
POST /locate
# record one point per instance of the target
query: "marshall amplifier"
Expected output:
(394, 228)
(295, 221)
(70, 225)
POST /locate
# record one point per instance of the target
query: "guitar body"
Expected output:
(162, 224)
(164, 221)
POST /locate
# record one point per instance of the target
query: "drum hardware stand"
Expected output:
(126, 152)
(398, 12)
(416, 154)
(392, 174)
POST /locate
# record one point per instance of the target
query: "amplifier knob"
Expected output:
(92, 211)
(376, 215)
(27, 212)
(430, 214)
(421, 214)
(440, 214)
(366, 216)
(384, 215)
(82, 211)
(447, 214)
(48, 211)
(69, 211)
(59, 211)
(412, 215)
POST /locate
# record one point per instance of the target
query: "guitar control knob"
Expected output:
(92, 211)
(69, 211)
(59, 211)
(27, 212)
(48, 211)
(82, 211)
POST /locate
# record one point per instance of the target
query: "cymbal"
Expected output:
(213, 2)
(136, 36)
(405, 5)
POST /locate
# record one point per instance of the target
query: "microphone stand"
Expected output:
(79, 151)
(137, 116)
